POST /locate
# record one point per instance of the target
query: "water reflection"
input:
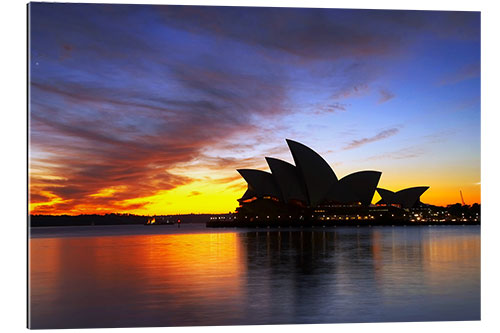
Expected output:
(134, 280)
(304, 276)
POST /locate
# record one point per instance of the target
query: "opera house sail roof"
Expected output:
(260, 183)
(318, 176)
(407, 198)
(288, 179)
(312, 182)
(358, 186)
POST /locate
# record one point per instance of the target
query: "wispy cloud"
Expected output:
(379, 136)
(403, 153)
(331, 108)
(352, 90)
(439, 136)
(464, 73)
(385, 95)
(226, 180)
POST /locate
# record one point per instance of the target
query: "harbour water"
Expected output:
(126, 276)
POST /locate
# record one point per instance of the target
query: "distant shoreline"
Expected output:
(36, 221)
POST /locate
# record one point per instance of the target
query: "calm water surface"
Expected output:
(119, 276)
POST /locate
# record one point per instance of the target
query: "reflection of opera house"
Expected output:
(310, 190)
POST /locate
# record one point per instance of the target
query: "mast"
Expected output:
(462, 197)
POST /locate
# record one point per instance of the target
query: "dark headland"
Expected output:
(108, 219)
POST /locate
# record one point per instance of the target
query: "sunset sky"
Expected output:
(151, 109)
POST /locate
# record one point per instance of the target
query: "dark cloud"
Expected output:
(379, 136)
(66, 51)
(321, 33)
(227, 163)
(35, 198)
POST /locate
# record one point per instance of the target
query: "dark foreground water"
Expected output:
(116, 276)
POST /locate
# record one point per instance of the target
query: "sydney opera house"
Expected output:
(310, 190)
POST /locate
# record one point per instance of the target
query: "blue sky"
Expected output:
(136, 101)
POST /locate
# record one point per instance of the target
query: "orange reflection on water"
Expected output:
(103, 277)
(439, 260)
(446, 255)
(193, 263)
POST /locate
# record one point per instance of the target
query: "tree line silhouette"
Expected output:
(106, 219)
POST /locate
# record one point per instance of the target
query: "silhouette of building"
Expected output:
(310, 189)
(407, 198)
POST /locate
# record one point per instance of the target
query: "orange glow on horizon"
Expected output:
(212, 196)
(198, 197)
